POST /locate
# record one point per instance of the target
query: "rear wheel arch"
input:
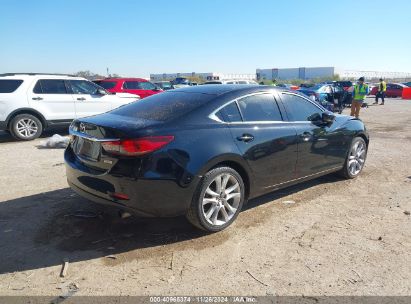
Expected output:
(364, 137)
(26, 111)
(240, 169)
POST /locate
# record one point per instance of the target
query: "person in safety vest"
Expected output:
(382, 88)
(359, 94)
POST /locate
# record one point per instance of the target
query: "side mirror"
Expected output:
(328, 118)
(101, 92)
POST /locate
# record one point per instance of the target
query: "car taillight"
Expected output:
(135, 147)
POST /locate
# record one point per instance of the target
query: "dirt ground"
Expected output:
(339, 237)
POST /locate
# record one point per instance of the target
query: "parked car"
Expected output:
(371, 86)
(321, 93)
(288, 86)
(346, 85)
(307, 85)
(393, 90)
(164, 85)
(231, 81)
(204, 151)
(32, 102)
(408, 84)
(181, 82)
(137, 86)
(332, 96)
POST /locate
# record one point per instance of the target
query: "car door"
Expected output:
(320, 147)
(390, 90)
(52, 99)
(266, 142)
(397, 90)
(88, 100)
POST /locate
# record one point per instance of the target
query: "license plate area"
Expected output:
(90, 150)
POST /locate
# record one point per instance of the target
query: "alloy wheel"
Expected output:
(221, 199)
(356, 158)
(26, 127)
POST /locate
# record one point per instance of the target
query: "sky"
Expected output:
(139, 37)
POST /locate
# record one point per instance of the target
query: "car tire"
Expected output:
(355, 161)
(26, 127)
(212, 210)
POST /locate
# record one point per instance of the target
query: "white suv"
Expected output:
(29, 103)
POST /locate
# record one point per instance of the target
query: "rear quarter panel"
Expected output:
(203, 147)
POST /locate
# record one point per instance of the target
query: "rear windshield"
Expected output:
(106, 84)
(9, 85)
(164, 106)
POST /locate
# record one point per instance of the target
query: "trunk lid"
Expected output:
(88, 136)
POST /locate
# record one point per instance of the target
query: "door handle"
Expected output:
(245, 138)
(81, 98)
(306, 136)
(37, 98)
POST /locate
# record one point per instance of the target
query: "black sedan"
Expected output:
(204, 151)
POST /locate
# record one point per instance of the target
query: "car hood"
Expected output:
(127, 95)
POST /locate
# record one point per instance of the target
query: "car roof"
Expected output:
(123, 79)
(39, 76)
(219, 89)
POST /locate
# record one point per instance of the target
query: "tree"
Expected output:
(88, 75)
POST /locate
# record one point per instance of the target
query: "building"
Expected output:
(294, 73)
(203, 76)
(307, 73)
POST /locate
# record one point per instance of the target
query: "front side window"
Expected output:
(9, 85)
(137, 85)
(50, 86)
(261, 107)
(83, 87)
(300, 109)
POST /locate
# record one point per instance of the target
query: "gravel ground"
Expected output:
(339, 237)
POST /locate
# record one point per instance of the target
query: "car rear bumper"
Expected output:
(148, 196)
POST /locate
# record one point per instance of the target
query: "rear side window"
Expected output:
(9, 85)
(260, 107)
(230, 113)
(300, 109)
(106, 84)
(50, 86)
(165, 106)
